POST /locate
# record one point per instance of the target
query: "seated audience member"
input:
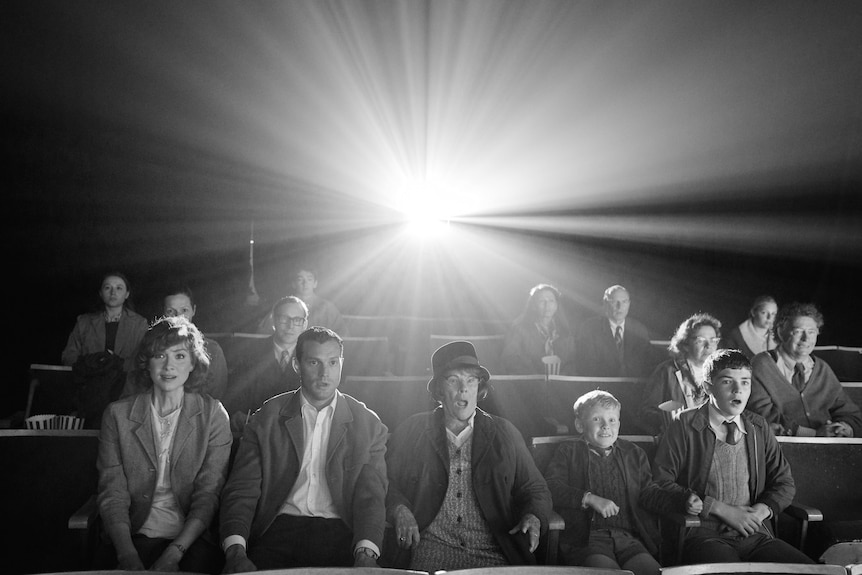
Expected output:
(180, 302)
(754, 335)
(677, 383)
(724, 464)
(463, 489)
(267, 367)
(115, 328)
(613, 345)
(308, 485)
(541, 330)
(163, 458)
(796, 392)
(595, 483)
(321, 311)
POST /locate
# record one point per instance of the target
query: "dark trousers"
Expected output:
(201, 557)
(303, 542)
(704, 547)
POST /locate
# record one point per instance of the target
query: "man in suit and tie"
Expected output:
(266, 368)
(308, 485)
(613, 345)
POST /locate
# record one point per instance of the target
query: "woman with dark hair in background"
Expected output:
(754, 335)
(115, 328)
(677, 382)
(163, 458)
(542, 330)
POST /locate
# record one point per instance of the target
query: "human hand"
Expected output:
(406, 528)
(130, 562)
(363, 560)
(604, 507)
(530, 525)
(744, 519)
(837, 429)
(694, 505)
(168, 561)
(236, 560)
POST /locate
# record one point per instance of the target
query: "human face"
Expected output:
(304, 283)
(546, 304)
(286, 322)
(179, 305)
(114, 292)
(702, 342)
(169, 369)
(599, 426)
(729, 390)
(799, 337)
(617, 306)
(320, 371)
(764, 316)
(458, 395)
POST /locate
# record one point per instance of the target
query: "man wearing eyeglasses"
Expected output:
(266, 368)
(797, 392)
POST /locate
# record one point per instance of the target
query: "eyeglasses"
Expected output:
(454, 382)
(294, 321)
(705, 340)
(797, 332)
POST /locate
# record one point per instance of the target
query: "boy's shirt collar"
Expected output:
(717, 419)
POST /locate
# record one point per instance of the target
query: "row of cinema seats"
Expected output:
(48, 475)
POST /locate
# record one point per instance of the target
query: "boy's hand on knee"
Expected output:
(604, 507)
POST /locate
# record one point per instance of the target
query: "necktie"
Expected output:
(731, 438)
(285, 360)
(618, 337)
(798, 377)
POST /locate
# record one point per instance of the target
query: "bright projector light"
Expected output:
(425, 209)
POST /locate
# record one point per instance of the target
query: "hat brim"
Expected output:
(462, 361)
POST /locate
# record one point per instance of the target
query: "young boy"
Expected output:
(724, 464)
(595, 482)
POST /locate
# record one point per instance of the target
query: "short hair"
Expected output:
(724, 359)
(593, 398)
(610, 291)
(289, 299)
(168, 331)
(791, 311)
(318, 334)
(484, 382)
(689, 326)
(759, 302)
(304, 266)
(181, 290)
(128, 304)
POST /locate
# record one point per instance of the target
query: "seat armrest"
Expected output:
(684, 520)
(556, 522)
(804, 512)
(85, 516)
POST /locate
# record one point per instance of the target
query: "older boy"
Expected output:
(596, 483)
(724, 464)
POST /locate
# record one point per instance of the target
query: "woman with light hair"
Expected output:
(755, 334)
(677, 382)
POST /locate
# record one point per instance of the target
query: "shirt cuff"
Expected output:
(803, 431)
(233, 540)
(708, 502)
(362, 543)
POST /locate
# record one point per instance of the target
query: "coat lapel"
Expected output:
(293, 423)
(186, 424)
(483, 436)
(142, 420)
(340, 420)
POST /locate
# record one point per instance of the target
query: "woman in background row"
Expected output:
(541, 330)
(115, 328)
(163, 458)
(755, 334)
(677, 383)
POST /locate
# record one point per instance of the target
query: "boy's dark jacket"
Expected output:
(684, 457)
(568, 478)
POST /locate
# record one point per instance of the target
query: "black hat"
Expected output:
(454, 354)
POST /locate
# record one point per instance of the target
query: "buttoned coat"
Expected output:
(269, 457)
(127, 460)
(596, 352)
(506, 482)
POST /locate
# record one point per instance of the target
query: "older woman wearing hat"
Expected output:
(463, 489)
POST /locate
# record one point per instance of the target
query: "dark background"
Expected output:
(698, 153)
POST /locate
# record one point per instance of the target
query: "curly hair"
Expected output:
(688, 327)
(167, 332)
(789, 312)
